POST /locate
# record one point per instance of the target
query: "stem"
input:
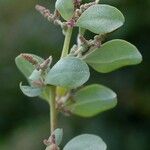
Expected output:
(53, 111)
(61, 91)
(66, 42)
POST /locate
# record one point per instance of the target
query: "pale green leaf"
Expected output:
(86, 142)
(101, 19)
(30, 91)
(48, 148)
(65, 8)
(26, 67)
(92, 99)
(113, 55)
(36, 75)
(69, 72)
(58, 136)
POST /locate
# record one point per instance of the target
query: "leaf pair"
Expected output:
(69, 72)
(28, 69)
(99, 18)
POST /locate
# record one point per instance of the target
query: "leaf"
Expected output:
(69, 72)
(65, 8)
(36, 75)
(58, 136)
(26, 67)
(92, 99)
(113, 55)
(48, 148)
(101, 19)
(86, 142)
(30, 91)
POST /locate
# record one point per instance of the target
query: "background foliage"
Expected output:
(24, 123)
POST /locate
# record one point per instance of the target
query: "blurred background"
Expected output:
(24, 122)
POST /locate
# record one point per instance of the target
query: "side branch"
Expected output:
(47, 14)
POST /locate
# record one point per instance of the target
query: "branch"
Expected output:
(47, 14)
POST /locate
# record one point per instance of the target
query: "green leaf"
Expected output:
(91, 100)
(69, 72)
(113, 55)
(26, 67)
(48, 148)
(65, 8)
(30, 91)
(101, 19)
(58, 136)
(36, 75)
(86, 142)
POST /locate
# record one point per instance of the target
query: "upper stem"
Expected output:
(61, 91)
(66, 42)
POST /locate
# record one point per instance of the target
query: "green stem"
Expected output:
(66, 43)
(53, 111)
(61, 91)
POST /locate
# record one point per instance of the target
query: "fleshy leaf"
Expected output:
(92, 99)
(36, 75)
(26, 67)
(65, 8)
(58, 136)
(30, 91)
(68, 72)
(101, 19)
(86, 142)
(113, 55)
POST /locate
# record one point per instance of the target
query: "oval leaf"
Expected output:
(93, 99)
(58, 136)
(69, 72)
(25, 66)
(65, 8)
(30, 91)
(101, 19)
(86, 142)
(113, 55)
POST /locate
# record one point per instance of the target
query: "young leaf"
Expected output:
(69, 72)
(113, 55)
(36, 75)
(91, 100)
(86, 142)
(58, 136)
(30, 91)
(65, 8)
(25, 66)
(101, 19)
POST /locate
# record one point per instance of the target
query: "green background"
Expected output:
(24, 122)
